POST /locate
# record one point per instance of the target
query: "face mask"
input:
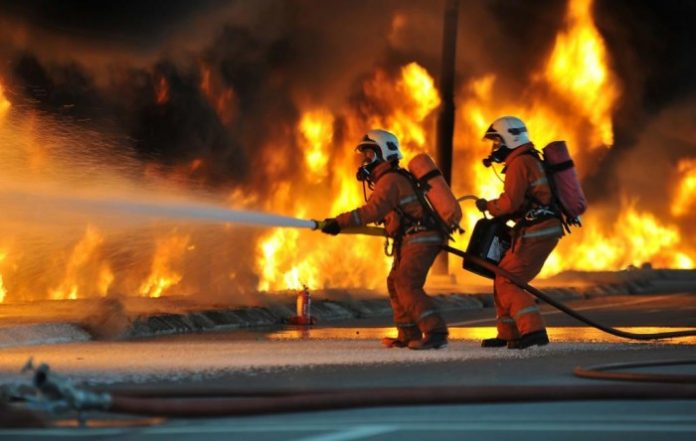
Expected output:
(498, 154)
(365, 170)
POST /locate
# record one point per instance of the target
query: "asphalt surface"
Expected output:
(348, 356)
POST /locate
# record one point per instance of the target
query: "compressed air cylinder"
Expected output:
(438, 192)
(564, 179)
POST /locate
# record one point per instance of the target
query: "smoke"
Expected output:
(651, 45)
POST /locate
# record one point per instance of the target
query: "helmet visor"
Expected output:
(367, 153)
(497, 142)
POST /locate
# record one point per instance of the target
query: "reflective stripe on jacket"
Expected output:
(391, 191)
(525, 178)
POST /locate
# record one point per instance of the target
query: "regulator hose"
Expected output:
(560, 306)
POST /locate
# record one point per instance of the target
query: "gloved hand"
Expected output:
(481, 204)
(331, 226)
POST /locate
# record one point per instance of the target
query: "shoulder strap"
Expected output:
(419, 188)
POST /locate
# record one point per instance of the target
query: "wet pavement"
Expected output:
(348, 356)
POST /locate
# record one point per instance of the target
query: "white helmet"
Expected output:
(507, 133)
(510, 129)
(384, 144)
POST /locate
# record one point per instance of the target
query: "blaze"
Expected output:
(4, 102)
(84, 269)
(408, 102)
(316, 136)
(169, 251)
(289, 259)
(3, 290)
(221, 98)
(685, 194)
(578, 69)
(635, 238)
(571, 95)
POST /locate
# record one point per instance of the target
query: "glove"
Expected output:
(330, 226)
(482, 204)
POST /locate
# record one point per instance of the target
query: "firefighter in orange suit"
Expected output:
(417, 241)
(527, 200)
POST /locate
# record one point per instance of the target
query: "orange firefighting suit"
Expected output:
(394, 201)
(525, 187)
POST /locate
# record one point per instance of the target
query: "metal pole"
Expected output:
(445, 120)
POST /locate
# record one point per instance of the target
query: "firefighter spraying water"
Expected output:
(418, 224)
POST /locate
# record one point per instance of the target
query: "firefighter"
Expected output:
(527, 200)
(416, 241)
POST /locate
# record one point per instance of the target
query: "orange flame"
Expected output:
(4, 103)
(410, 100)
(3, 290)
(168, 253)
(80, 268)
(221, 98)
(289, 259)
(162, 91)
(578, 69)
(634, 239)
(316, 130)
(684, 201)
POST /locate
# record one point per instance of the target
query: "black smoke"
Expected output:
(271, 52)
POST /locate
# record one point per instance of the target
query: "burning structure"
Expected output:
(259, 104)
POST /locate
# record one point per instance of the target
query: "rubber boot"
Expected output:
(537, 338)
(434, 340)
(406, 335)
(494, 343)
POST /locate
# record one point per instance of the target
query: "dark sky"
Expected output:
(131, 22)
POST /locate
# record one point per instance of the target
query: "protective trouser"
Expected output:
(414, 311)
(516, 311)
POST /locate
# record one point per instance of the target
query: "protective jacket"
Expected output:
(526, 189)
(394, 201)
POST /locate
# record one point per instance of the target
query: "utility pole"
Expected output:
(445, 119)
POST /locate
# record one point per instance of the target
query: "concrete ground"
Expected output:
(347, 356)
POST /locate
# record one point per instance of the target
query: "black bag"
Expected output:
(490, 240)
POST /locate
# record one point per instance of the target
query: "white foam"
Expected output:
(41, 334)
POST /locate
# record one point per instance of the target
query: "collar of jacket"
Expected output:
(517, 153)
(381, 169)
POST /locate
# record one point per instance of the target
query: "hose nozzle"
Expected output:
(318, 225)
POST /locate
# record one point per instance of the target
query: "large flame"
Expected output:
(84, 270)
(578, 68)
(163, 275)
(291, 259)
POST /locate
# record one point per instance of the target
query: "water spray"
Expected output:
(174, 210)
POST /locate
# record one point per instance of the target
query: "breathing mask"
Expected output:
(499, 152)
(370, 161)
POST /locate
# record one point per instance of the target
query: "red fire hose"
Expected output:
(347, 399)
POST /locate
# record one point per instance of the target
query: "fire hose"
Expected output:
(225, 402)
(560, 306)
